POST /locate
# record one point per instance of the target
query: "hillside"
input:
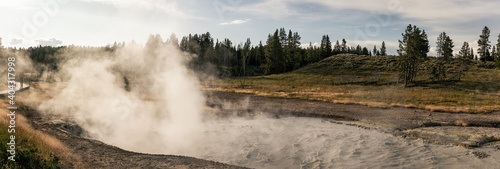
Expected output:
(374, 81)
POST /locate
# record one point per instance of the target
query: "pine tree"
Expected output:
(293, 52)
(497, 57)
(465, 57)
(282, 37)
(312, 55)
(343, 47)
(375, 51)
(498, 46)
(472, 54)
(366, 51)
(444, 46)
(337, 49)
(326, 47)
(383, 50)
(444, 51)
(494, 52)
(274, 55)
(173, 40)
(412, 51)
(358, 50)
(484, 45)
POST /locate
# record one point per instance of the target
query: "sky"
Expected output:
(27, 23)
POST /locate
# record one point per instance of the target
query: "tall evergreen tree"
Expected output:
(344, 47)
(358, 50)
(494, 52)
(173, 40)
(366, 51)
(337, 48)
(383, 50)
(444, 51)
(375, 50)
(293, 51)
(484, 45)
(498, 45)
(274, 55)
(312, 54)
(464, 56)
(326, 47)
(283, 37)
(497, 57)
(444, 46)
(412, 51)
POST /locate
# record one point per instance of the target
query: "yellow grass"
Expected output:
(476, 93)
(26, 136)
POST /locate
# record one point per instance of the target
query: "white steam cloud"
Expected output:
(159, 111)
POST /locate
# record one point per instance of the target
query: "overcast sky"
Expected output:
(365, 22)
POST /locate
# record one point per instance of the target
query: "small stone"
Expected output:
(480, 155)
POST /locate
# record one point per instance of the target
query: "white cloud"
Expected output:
(169, 7)
(438, 15)
(235, 22)
(315, 44)
(50, 42)
(275, 9)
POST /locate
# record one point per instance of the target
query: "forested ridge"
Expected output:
(283, 52)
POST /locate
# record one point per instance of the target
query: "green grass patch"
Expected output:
(31, 149)
(374, 80)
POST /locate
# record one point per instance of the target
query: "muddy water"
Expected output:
(295, 142)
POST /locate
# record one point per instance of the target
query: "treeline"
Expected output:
(414, 46)
(282, 52)
(44, 56)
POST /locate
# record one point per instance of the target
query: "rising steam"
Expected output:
(160, 111)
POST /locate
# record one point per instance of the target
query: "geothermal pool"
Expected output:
(296, 142)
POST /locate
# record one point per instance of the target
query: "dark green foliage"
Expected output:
(484, 45)
(497, 56)
(465, 56)
(326, 47)
(343, 47)
(444, 47)
(497, 62)
(281, 53)
(44, 56)
(412, 51)
(375, 51)
(336, 48)
(383, 50)
(27, 155)
(444, 51)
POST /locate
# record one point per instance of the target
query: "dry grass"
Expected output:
(370, 83)
(27, 137)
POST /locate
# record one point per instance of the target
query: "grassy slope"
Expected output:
(373, 81)
(34, 149)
